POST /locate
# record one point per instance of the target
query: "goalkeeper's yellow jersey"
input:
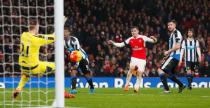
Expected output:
(29, 48)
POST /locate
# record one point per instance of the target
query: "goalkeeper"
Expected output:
(72, 44)
(30, 43)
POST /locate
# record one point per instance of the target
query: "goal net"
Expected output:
(14, 20)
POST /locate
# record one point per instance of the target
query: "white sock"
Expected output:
(128, 78)
(138, 81)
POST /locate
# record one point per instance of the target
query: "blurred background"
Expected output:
(94, 22)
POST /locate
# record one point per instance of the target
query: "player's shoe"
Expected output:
(16, 93)
(136, 91)
(73, 91)
(92, 90)
(68, 95)
(190, 88)
(166, 91)
(181, 88)
(126, 88)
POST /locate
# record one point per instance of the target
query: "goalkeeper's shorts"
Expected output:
(40, 68)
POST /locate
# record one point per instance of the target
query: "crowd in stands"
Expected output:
(94, 22)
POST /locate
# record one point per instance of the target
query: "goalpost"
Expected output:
(59, 52)
(47, 91)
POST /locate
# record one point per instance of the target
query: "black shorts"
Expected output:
(191, 66)
(84, 66)
(169, 65)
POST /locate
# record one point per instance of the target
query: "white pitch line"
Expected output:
(205, 96)
(36, 107)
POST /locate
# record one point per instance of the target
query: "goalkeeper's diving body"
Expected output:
(30, 65)
(72, 44)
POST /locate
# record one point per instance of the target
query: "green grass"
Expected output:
(117, 98)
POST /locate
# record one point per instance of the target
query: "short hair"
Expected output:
(135, 27)
(32, 23)
(173, 21)
(66, 28)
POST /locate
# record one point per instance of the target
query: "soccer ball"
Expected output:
(75, 56)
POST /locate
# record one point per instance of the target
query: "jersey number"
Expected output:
(24, 50)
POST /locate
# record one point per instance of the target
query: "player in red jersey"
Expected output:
(138, 55)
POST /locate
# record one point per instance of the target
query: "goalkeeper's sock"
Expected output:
(189, 79)
(90, 82)
(73, 82)
(128, 78)
(164, 81)
(24, 79)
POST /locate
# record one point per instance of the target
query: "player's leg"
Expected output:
(128, 78)
(138, 82)
(88, 77)
(171, 72)
(189, 68)
(44, 68)
(140, 67)
(132, 70)
(48, 68)
(189, 79)
(24, 79)
(163, 75)
(73, 73)
(83, 65)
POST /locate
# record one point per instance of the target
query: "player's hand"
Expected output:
(110, 41)
(166, 53)
(154, 38)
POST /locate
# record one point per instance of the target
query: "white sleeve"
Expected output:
(77, 44)
(122, 44)
(147, 39)
(197, 44)
(198, 49)
(183, 45)
(182, 50)
(179, 38)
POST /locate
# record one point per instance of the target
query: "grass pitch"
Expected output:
(115, 98)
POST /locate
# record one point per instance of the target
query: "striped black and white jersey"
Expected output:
(72, 44)
(189, 48)
(175, 38)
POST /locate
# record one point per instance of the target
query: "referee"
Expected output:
(192, 55)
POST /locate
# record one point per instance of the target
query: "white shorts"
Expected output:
(140, 63)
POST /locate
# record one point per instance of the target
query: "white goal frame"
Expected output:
(59, 54)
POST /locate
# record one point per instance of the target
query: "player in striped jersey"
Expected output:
(167, 68)
(71, 44)
(192, 55)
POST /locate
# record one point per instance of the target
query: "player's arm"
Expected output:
(198, 51)
(45, 38)
(176, 46)
(48, 38)
(151, 39)
(77, 44)
(121, 44)
(182, 53)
